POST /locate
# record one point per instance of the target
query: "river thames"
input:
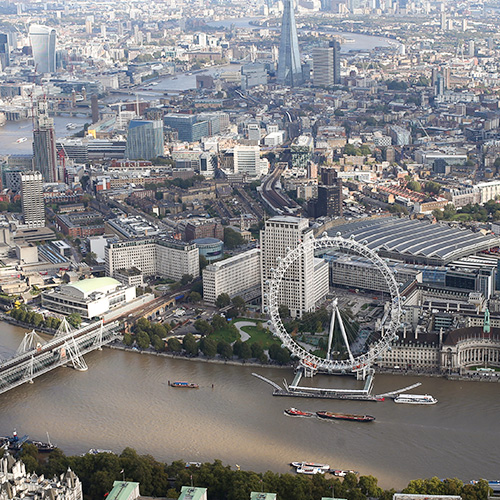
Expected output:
(124, 400)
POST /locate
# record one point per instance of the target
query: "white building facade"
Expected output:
(154, 257)
(305, 283)
(234, 276)
(89, 298)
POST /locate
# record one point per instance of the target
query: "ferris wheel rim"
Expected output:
(272, 287)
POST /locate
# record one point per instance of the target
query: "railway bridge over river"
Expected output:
(36, 357)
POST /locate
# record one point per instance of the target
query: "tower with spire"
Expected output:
(289, 65)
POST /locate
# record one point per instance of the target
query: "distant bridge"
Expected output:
(36, 357)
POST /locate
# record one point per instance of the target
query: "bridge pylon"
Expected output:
(64, 329)
(75, 356)
(30, 342)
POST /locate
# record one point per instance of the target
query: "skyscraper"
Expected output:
(289, 65)
(326, 65)
(306, 281)
(4, 51)
(32, 199)
(44, 143)
(144, 139)
(43, 43)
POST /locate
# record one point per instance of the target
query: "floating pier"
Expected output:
(295, 390)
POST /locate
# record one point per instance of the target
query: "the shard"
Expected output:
(289, 66)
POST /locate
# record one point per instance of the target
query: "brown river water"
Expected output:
(124, 400)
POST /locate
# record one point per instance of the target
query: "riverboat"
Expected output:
(71, 126)
(96, 451)
(309, 470)
(344, 416)
(185, 385)
(415, 399)
(312, 465)
(15, 443)
(22, 139)
(342, 473)
(293, 412)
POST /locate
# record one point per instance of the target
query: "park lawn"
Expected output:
(226, 335)
(262, 337)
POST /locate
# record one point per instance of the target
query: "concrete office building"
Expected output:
(247, 160)
(32, 199)
(153, 257)
(43, 43)
(144, 139)
(236, 276)
(329, 200)
(326, 65)
(306, 282)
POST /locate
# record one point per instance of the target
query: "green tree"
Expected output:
(365, 150)
(232, 239)
(209, 347)
(194, 297)
(223, 300)
(203, 326)
(190, 345)
(257, 350)
(239, 303)
(369, 486)
(414, 186)
(245, 351)
(174, 345)
(203, 263)
(127, 339)
(186, 278)
(237, 347)
(225, 350)
(142, 340)
(158, 343)
(159, 330)
(432, 187)
(218, 322)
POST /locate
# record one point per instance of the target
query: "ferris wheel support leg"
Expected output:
(332, 326)
(344, 335)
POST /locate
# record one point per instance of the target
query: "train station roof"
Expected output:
(416, 241)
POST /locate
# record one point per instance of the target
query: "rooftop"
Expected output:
(88, 286)
(122, 490)
(414, 240)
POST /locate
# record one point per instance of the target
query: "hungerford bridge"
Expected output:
(36, 357)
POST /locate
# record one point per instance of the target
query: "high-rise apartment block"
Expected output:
(236, 276)
(44, 143)
(154, 257)
(32, 199)
(43, 43)
(289, 64)
(144, 139)
(305, 283)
